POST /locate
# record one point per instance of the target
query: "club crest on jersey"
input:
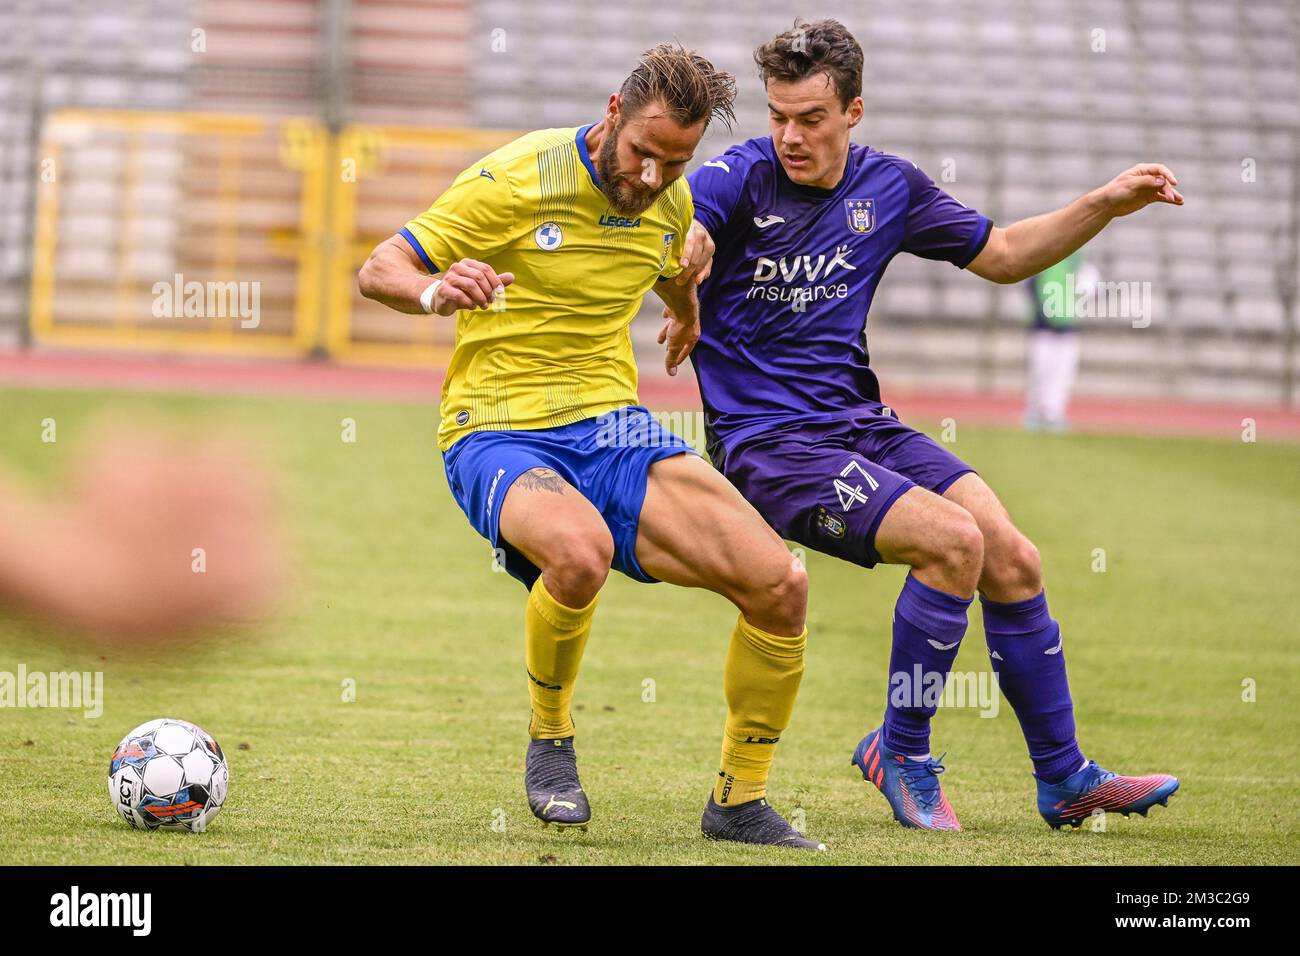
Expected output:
(829, 523)
(548, 237)
(668, 244)
(862, 215)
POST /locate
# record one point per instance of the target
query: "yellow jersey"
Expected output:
(556, 348)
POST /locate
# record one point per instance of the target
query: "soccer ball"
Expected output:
(168, 774)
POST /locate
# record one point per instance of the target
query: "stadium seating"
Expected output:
(1014, 107)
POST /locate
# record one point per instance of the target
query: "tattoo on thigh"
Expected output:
(542, 479)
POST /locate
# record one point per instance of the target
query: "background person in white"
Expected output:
(1054, 340)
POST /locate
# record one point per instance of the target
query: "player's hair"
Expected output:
(687, 85)
(824, 46)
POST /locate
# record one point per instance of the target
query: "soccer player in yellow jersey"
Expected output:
(543, 251)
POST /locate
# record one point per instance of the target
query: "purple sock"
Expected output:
(928, 628)
(1028, 657)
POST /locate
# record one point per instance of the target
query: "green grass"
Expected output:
(396, 591)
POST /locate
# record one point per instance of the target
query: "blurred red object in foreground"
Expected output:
(153, 537)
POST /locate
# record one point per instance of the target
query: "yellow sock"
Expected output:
(554, 638)
(760, 681)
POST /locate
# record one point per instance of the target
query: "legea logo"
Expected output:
(621, 222)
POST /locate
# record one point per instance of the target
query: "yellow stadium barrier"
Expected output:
(241, 235)
(387, 175)
(179, 232)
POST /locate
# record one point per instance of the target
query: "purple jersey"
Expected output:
(784, 310)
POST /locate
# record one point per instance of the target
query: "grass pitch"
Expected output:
(397, 593)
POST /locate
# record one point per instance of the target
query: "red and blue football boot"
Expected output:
(1091, 789)
(911, 786)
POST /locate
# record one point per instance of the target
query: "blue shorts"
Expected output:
(827, 485)
(605, 458)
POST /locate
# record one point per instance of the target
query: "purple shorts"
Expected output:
(827, 485)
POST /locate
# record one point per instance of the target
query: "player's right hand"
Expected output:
(1140, 186)
(697, 255)
(678, 338)
(469, 284)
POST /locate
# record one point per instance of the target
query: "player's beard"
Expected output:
(624, 199)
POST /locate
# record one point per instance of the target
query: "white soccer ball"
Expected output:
(168, 774)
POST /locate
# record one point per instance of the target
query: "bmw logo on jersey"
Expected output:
(548, 236)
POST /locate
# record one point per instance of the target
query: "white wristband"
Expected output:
(426, 297)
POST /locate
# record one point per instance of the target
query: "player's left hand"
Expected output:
(680, 337)
(1140, 186)
(697, 256)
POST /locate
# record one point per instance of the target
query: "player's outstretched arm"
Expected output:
(1027, 247)
(394, 275)
(682, 313)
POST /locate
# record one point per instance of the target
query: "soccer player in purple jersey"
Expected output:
(804, 224)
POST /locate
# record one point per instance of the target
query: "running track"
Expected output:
(243, 377)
